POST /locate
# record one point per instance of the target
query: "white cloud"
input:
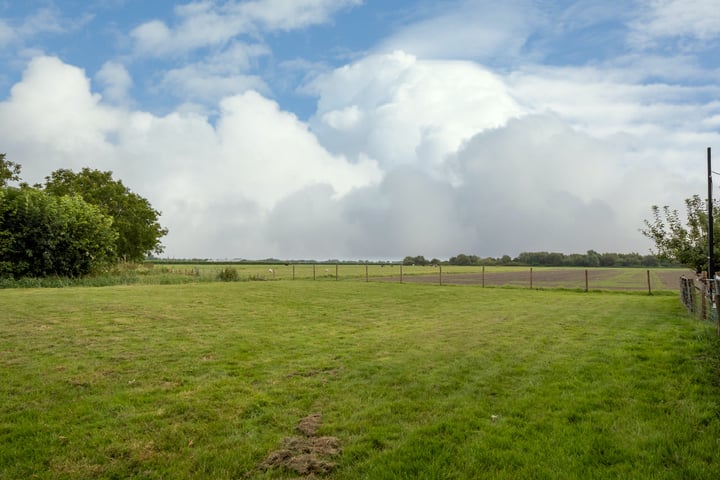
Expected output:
(401, 110)
(214, 184)
(116, 80)
(291, 14)
(468, 29)
(51, 116)
(218, 75)
(662, 19)
(203, 24)
(660, 124)
(17, 33)
(153, 38)
(42, 21)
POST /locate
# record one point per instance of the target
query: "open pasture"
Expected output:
(376, 380)
(661, 279)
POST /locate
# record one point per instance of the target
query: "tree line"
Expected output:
(551, 259)
(73, 224)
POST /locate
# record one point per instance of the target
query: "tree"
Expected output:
(43, 235)
(9, 171)
(134, 219)
(419, 260)
(686, 244)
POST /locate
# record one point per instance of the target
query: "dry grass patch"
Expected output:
(308, 455)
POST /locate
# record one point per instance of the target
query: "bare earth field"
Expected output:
(597, 278)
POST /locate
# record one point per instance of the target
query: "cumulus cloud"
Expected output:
(403, 156)
(210, 181)
(53, 118)
(401, 110)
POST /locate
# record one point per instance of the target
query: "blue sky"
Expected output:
(371, 129)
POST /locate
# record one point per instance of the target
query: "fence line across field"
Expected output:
(632, 279)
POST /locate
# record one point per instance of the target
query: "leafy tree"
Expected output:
(43, 235)
(460, 259)
(686, 244)
(9, 171)
(134, 219)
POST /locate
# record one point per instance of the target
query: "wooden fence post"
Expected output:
(366, 273)
(531, 279)
(648, 280)
(483, 276)
(293, 271)
(401, 273)
(440, 274)
(313, 271)
(336, 272)
(586, 280)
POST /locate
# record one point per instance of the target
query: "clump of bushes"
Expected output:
(228, 274)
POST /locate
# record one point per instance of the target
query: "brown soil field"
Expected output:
(597, 279)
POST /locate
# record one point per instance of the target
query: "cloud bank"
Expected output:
(441, 139)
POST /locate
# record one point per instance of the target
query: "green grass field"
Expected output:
(211, 380)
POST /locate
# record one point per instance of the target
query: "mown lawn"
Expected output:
(210, 380)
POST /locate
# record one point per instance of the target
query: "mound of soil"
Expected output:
(308, 455)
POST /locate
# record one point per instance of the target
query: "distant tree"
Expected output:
(9, 171)
(592, 259)
(135, 221)
(418, 260)
(609, 259)
(43, 235)
(460, 259)
(685, 243)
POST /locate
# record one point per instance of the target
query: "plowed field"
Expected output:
(597, 279)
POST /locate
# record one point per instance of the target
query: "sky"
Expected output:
(371, 129)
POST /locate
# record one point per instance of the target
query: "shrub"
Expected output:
(228, 274)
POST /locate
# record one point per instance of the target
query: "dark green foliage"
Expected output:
(228, 274)
(134, 219)
(589, 259)
(43, 235)
(686, 244)
(419, 260)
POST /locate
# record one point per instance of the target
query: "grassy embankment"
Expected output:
(412, 381)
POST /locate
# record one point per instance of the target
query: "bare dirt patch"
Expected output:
(671, 278)
(308, 455)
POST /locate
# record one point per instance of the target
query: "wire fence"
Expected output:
(586, 279)
(700, 297)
